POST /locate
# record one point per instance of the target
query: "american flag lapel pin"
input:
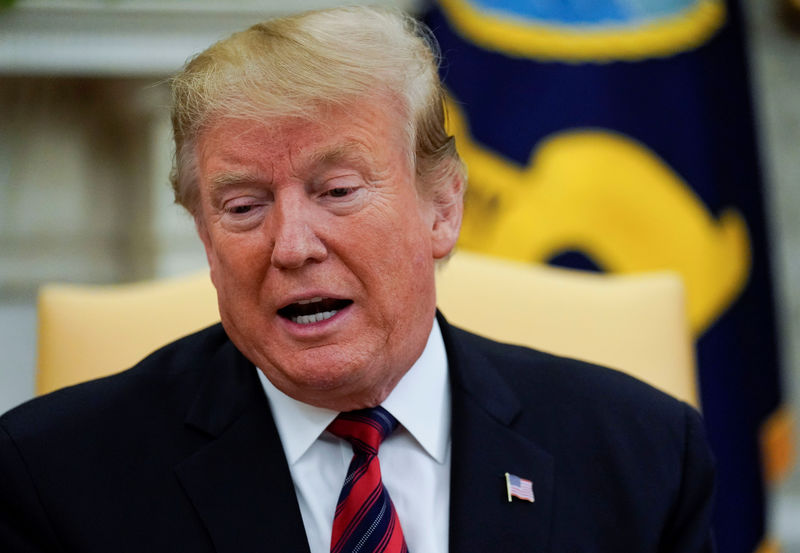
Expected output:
(520, 488)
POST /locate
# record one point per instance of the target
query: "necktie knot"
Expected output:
(365, 429)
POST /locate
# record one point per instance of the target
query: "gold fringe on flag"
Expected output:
(777, 445)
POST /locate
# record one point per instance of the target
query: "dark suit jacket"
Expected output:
(180, 453)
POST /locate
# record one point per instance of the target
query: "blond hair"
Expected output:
(287, 67)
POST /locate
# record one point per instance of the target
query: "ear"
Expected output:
(205, 237)
(448, 205)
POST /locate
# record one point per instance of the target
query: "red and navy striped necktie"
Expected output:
(365, 520)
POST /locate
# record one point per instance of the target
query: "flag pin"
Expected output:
(520, 488)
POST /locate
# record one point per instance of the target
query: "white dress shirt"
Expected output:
(415, 459)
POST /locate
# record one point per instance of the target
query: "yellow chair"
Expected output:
(634, 323)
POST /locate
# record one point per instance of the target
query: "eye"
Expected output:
(242, 206)
(243, 212)
(341, 193)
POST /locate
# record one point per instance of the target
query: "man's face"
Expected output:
(321, 249)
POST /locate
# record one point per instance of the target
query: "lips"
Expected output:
(313, 310)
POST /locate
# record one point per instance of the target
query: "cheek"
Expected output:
(238, 264)
(407, 267)
(391, 248)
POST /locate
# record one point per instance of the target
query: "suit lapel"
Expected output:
(484, 447)
(239, 482)
(241, 487)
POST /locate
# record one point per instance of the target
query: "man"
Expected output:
(312, 154)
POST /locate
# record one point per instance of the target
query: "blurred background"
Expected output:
(703, 95)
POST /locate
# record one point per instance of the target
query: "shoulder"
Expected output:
(165, 380)
(102, 450)
(545, 376)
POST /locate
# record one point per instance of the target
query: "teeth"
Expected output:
(312, 300)
(315, 318)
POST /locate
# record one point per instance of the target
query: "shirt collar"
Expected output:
(420, 402)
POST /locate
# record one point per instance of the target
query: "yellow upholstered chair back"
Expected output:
(634, 323)
(88, 331)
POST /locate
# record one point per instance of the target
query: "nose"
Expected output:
(295, 240)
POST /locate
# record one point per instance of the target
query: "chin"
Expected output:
(348, 388)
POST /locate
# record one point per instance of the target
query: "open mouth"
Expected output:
(312, 310)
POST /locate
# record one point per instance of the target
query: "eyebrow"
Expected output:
(351, 151)
(227, 179)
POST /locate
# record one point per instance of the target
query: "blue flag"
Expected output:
(618, 136)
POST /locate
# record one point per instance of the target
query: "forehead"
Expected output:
(364, 132)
